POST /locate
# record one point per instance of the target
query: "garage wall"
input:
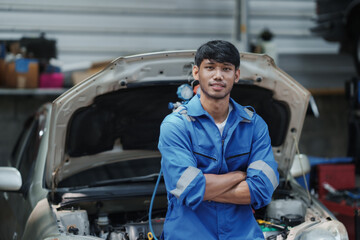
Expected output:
(311, 60)
(91, 30)
(290, 21)
(102, 29)
(113, 27)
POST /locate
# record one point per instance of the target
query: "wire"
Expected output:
(302, 169)
(152, 202)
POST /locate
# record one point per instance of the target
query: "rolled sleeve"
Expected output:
(182, 177)
(262, 174)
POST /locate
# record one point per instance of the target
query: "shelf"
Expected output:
(33, 92)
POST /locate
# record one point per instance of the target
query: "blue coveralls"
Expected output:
(191, 145)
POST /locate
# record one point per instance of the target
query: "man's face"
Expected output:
(216, 79)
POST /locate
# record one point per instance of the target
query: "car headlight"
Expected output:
(331, 230)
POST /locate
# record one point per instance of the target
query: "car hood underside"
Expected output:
(132, 117)
(116, 114)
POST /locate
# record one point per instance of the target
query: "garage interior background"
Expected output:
(88, 31)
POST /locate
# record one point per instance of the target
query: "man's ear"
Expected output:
(237, 75)
(195, 72)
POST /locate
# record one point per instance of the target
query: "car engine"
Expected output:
(280, 214)
(77, 222)
(115, 221)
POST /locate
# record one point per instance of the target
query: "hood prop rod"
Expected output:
(53, 183)
(302, 169)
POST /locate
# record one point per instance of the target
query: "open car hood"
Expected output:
(115, 114)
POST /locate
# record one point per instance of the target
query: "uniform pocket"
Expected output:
(238, 161)
(205, 160)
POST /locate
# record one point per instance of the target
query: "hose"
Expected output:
(152, 202)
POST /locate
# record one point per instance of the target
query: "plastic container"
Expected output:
(51, 80)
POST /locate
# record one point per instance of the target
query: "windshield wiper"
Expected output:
(147, 178)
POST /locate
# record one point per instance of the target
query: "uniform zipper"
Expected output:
(238, 155)
(222, 152)
(205, 156)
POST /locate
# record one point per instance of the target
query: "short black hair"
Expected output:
(220, 51)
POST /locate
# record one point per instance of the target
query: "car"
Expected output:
(339, 21)
(86, 165)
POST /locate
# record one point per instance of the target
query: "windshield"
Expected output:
(125, 171)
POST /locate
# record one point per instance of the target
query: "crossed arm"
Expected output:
(227, 188)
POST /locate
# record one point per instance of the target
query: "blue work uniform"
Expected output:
(191, 145)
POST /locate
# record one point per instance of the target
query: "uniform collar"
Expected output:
(195, 109)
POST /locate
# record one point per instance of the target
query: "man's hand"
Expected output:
(217, 185)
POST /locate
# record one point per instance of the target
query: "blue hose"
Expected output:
(152, 202)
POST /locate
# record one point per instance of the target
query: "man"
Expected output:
(217, 158)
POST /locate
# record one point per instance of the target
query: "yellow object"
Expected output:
(263, 222)
(150, 236)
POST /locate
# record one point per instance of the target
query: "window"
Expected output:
(26, 149)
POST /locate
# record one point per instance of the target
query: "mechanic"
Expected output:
(217, 158)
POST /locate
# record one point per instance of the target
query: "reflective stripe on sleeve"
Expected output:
(267, 170)
(186, 178)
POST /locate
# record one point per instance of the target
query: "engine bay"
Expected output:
(126, 218)
(106, 226)
(123, 219)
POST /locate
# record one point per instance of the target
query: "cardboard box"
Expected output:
(79, 76)
(10, 75)
(2, 72)
(23, 74)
